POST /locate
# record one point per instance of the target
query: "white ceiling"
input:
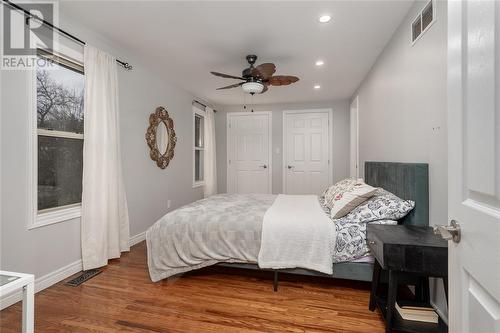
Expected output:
(184, 40)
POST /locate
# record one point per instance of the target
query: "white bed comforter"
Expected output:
(296, 233)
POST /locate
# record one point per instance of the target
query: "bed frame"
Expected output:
(407, 181)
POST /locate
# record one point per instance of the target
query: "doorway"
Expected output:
(249, 167)
(307, 151)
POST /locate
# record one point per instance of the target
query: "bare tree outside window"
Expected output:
(60, 92)
(59, 102)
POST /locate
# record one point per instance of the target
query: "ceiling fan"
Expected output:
(257, 79)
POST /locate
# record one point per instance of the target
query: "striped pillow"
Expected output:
(331, 191)
(347, 195)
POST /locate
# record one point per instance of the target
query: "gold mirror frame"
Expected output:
(161, 116)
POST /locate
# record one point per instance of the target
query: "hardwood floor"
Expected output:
(216, 299)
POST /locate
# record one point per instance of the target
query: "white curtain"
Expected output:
(105, 223)
(210, 164)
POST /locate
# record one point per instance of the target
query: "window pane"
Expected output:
(60, 99)
(199, 125)
(198, 165)
(60, 163)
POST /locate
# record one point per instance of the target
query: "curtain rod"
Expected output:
(195, 101)
(29, 15)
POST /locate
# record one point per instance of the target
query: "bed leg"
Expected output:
(275, 282)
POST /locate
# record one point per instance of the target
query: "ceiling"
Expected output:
(184, 40)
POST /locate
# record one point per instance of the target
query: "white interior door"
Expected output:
(306, 152)
(474, 164)
(248, 152)
(354, 162)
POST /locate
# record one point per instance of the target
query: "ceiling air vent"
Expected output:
(422, 22)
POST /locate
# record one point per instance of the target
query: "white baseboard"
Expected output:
(137, 238)
(58, 275)
(44, 282)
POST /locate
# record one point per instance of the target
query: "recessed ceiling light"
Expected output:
(317, 86)
(325, 18)
(320, 63)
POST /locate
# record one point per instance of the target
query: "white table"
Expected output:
(10, 282)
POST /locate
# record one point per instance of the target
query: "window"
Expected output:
(199, 144)
(59, 138)
(422, 22)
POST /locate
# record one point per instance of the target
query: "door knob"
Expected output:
(264, 166)
(290, 166)
(448, 232)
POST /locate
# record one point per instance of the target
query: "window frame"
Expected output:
(39, 218)
(201, 113)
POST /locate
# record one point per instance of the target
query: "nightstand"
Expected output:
(410, 255)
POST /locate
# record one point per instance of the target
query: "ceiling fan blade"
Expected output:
(231, 86)
(282, 80)
(264, 71)
(227, 76)
(266, 88)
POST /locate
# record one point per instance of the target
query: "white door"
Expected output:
(474, 165)
(354, 171)
(306, 152)
(248, 152)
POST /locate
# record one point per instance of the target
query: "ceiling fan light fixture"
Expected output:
(320, 63)
(257, 79)
(252, 87)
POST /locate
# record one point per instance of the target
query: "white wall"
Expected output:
(46, 249)
(340, 147)
(402, 107)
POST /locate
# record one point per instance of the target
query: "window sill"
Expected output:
(198, 184)
(55, 216)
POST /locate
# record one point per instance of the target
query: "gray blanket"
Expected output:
(221, 228)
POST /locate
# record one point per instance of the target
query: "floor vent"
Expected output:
(86, 275)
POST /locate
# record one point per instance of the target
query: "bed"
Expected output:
(234, 223)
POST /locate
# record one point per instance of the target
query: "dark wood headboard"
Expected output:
(408, 181)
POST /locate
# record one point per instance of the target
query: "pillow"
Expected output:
(383, 205)
(326, 209)
(339, 184)
(347, 195)
(350, 241)
(336, 187)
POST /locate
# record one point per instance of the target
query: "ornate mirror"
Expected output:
(160, 137)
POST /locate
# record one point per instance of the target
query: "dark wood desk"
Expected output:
(407, 253)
